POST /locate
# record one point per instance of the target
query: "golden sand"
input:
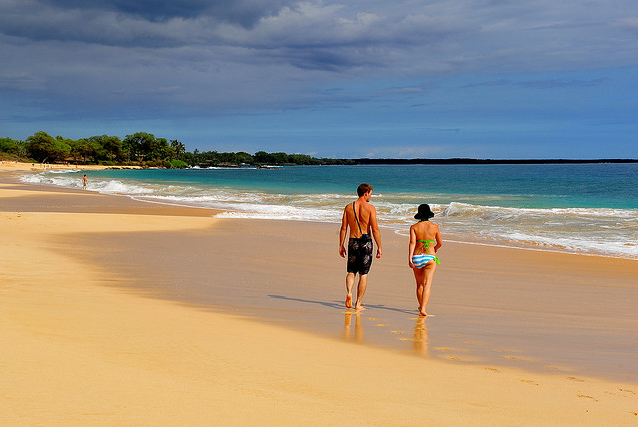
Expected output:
(80, 347)
(7, 165)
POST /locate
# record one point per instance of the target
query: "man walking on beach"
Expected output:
(361, 217)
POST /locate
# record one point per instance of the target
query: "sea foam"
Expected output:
(601, 231)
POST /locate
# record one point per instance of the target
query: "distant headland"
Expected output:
(468, 161)
(143, 149)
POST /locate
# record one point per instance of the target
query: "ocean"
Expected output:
(578, 208)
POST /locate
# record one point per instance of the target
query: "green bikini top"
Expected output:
(426, 243)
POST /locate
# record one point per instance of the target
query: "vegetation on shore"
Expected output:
(139, 149)
(145, 150)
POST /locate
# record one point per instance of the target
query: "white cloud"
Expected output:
(109, 58)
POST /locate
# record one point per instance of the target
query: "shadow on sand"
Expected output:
(340, 305)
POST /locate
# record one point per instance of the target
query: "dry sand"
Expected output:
(12, 166)
(94, 332)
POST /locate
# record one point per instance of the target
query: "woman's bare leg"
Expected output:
(419, 277)
(424, 285)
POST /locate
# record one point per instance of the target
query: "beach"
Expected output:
(118, 312)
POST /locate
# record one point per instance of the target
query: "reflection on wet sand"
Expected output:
(358, 327)
(354, 332)
(420, 337)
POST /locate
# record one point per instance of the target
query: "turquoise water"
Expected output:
(584, 208)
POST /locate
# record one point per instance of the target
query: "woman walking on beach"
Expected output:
(425, 241)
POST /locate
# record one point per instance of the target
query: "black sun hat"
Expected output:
(424, 212)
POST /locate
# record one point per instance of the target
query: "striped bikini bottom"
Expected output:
(422, 260)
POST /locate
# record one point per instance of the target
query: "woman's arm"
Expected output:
(411, 246)
(439, 241)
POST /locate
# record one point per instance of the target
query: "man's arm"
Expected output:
(376, 233)
(342, 234)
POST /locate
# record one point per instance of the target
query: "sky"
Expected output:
(495, 79)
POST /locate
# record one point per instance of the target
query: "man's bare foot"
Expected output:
(422, 313)
(349, 301)
(360, 307)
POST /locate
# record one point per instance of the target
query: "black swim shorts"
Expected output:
(359, 255)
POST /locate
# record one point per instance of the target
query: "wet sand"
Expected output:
(138, 314)
(545, 312)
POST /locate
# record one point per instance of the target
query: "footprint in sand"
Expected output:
(521, 359)
(529, 382)
(613, 393)
(493, 370)
(584, 396)
(574, 379)
(555, 368)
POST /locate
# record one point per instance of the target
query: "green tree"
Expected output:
(159, 150)
(243, 157)
(61, 148)
(143, 146)
(178, 149)
(12, 146)
(137, 144)
(108, 147)
(85, 149)
(189, 158)
(40, 146)
(302, 159)
(263, 158)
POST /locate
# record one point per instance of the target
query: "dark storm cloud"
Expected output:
(124, 23)
(242, 12)
(153, 10)
(129, 61)
(433, 36)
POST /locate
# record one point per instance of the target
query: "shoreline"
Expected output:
(456, 238)
(594, 268)
(106, 319)
(11, 165)
(562, 230)
(439, 161)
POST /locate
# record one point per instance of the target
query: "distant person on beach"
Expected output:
(425, 241)
(85, 181)
(361, 217)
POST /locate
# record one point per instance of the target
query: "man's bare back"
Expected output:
(361, 218)
(364, 211)
(366, 214)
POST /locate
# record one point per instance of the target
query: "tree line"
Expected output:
(140, 149)
(144, 149)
